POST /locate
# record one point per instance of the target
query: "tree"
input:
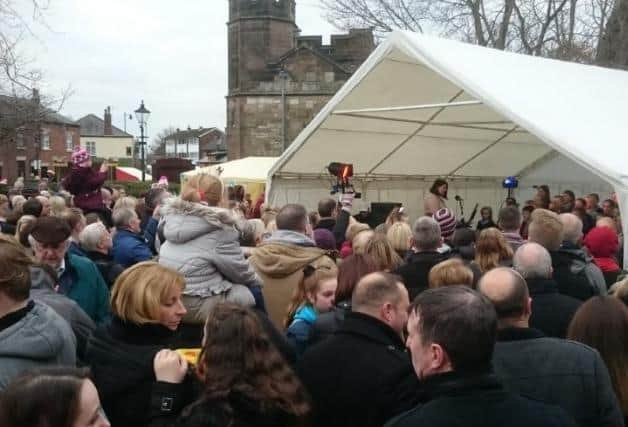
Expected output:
(613, 47)
(158, 145)
(20, 102)
(567, 29)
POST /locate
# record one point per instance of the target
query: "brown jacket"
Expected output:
(280, 265)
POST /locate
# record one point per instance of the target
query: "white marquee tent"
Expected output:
(422, 107)
(251, 172)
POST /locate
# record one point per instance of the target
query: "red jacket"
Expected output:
(85, 184)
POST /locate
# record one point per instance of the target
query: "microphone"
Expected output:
(458, 198)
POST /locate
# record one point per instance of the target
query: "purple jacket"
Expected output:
(85, 184)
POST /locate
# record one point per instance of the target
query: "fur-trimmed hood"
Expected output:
(184, 221)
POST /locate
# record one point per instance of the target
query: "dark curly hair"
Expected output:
(238, 359)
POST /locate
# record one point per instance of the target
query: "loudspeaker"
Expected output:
(379, 212)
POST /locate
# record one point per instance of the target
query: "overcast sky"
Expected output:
(172, 54)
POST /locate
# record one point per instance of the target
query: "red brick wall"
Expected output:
(53, 159)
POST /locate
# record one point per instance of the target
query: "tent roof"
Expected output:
(250, 169)
(421, 107)
(125, 173)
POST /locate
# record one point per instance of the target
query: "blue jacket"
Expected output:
(129, 248)
(299, 331)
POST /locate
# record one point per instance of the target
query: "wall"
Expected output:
(55, 158)
(110, 147)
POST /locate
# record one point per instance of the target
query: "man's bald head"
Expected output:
(374, 290)
(508, 292)
(533, 261)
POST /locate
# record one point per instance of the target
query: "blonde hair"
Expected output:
(354, 229)
(309, 284)
(140, 290)
(361, 240)
(620, 290)
(57, 205)
(203, 187)
(399, 235)
(127, 202)
(546, 229)
(18, 203)
(491, 248)
(382, 252)
(450, 273)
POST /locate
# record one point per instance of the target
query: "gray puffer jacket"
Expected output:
(202, 244)
(582, 263)
(41, 338)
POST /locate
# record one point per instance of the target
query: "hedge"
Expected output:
(139, 188)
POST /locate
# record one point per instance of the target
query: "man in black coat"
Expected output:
(334, 220)
(451, 335)
(96, 241)
(362, 375)
(426, 240)
(551, 311)
(564, 373)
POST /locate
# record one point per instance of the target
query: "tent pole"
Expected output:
(410, 107)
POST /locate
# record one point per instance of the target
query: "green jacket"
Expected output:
(82, 282)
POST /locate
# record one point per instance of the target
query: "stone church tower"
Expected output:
(279, 80)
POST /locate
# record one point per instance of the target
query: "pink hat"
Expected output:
(79, 156)
(163, 181)
(447, 221)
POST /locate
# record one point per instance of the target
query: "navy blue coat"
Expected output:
(129, 248)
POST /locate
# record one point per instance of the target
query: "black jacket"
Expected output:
(328, 323)
(560, 372)
(109, 269)
(453, 400)
(417, 269)
(337, 226)
(236, 410)
(361, 376)
(121, 360)
(575, 285)
(551, 311)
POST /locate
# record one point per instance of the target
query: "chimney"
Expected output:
(108, 130)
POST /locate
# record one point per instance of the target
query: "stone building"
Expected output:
(278, 79)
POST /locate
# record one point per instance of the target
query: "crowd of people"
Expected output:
(206, 308)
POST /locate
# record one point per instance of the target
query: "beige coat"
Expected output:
(280, 267)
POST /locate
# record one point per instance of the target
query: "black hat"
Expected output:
(51, 230)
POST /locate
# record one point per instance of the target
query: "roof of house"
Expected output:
(191, 133)
(92, 125)
(20, 110)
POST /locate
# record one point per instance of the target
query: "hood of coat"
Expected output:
(185, 221)
(36, 337)
(275, 259)
(578, 258)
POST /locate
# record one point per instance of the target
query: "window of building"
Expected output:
(90, 146)
(45, 140)
(68, 141)
(19, 140)
(129, 151)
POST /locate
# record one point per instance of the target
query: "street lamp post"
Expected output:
(141, 114)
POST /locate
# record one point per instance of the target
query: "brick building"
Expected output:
(35, 139)
(278, 79)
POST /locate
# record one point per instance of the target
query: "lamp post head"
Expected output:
(142, 114)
